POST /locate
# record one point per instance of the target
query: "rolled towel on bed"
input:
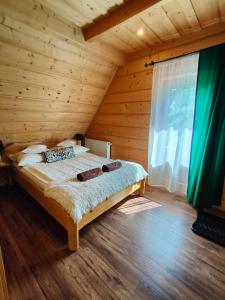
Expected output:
(112, 166)
(92, 173)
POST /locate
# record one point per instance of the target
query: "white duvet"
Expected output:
(77, 197)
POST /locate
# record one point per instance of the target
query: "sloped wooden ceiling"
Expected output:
(164, 21)
(168, 20)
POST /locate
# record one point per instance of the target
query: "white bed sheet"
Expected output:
(58, 181)
(43, 174)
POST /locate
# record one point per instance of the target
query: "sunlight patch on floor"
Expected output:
(138, 204)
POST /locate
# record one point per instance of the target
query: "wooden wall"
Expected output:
(123, 117)
(51, 81)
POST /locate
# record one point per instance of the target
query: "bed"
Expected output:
(75, 204)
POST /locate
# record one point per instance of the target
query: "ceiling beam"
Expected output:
(118, 16)
(215, 34)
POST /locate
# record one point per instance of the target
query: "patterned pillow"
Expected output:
(58, 154)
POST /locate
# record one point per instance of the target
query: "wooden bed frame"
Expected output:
(58, 212)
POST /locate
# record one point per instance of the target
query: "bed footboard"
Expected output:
(73, 237)
(58, 212)
(142, 188)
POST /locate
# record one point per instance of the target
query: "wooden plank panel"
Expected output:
(34, 27)
(123, 117)
(134, 66)
(135, 120)
(182, 15)
(177, 16)
(125, 108)
(42, 15)
(117, 131)
(34, 92)
(52, 48)
(22, 116)
(130, 154)
(124, 142)
(148, 36)
(206, 11)
(164, 29)
(65, 9)
(37, 136)
(221, 8)
(17, 57)
(21, 104)
(133, 82)
(122, 33)
(29, 127)
(132, 96)
(8, 73)
(189, 48)
(207, 37)
(115, 42)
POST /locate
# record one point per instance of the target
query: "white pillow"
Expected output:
(80, 149)
(67, 143)
(34, 149)
(26, 159)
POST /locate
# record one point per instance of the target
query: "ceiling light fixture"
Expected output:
(140, 32)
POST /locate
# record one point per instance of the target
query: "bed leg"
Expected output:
(73, 238)
(142, 188)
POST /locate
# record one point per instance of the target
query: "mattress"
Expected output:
(58, 181)
(43, 174)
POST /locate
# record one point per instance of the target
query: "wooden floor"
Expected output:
(151, 254)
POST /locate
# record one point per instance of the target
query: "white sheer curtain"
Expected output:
(172, 114)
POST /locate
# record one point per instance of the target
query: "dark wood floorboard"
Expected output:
(152, 254)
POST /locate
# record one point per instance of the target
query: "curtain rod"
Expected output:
(155, 62)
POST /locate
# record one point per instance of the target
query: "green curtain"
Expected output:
(207, 163)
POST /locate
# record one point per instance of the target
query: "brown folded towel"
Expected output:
(89, 174)
(112, 166)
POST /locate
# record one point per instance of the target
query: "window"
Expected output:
(173, 102)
